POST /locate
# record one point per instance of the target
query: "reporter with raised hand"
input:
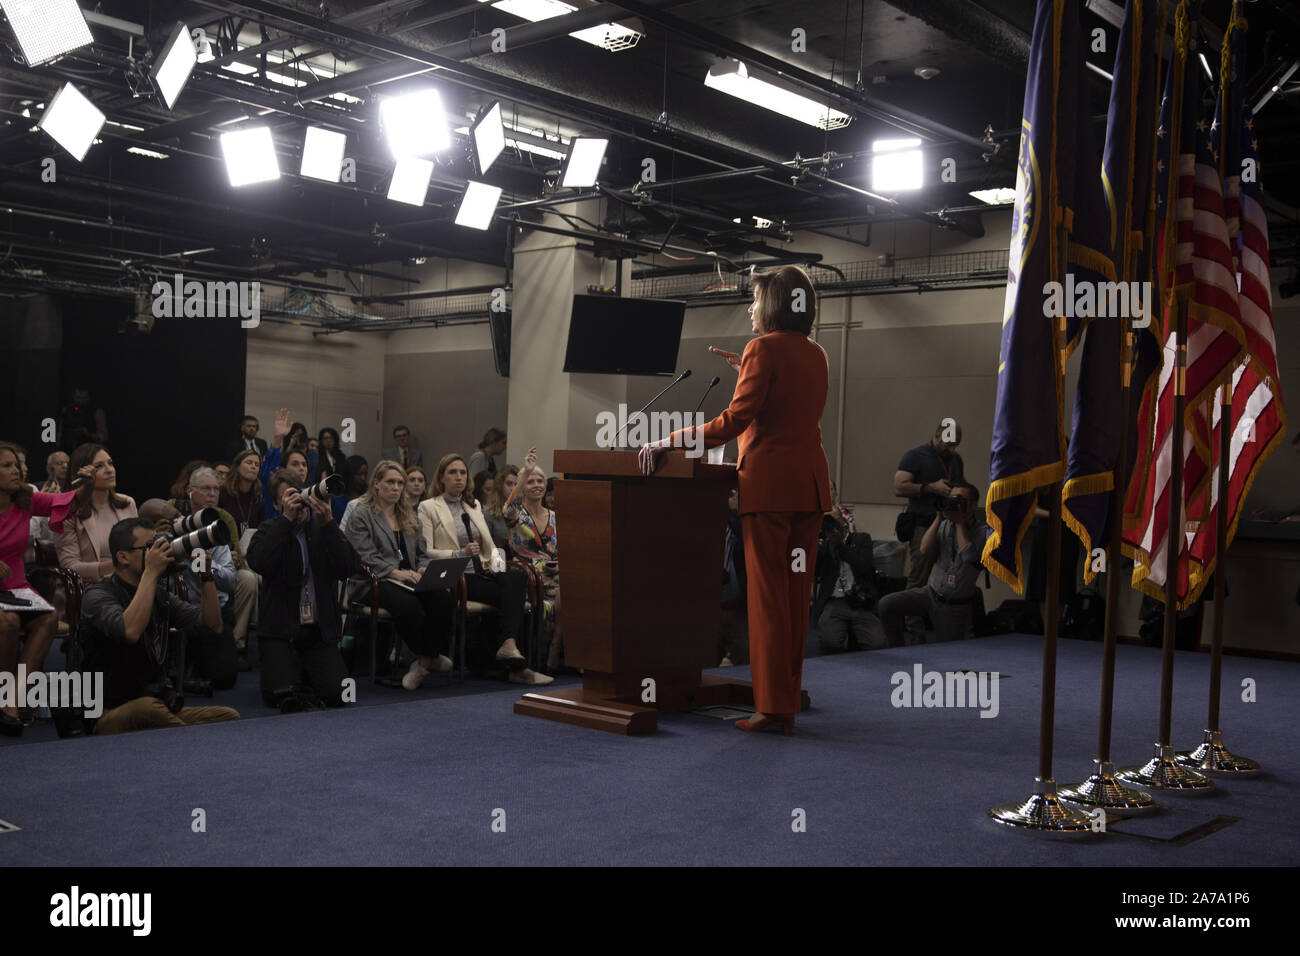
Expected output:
(125, 620)
(301, 556)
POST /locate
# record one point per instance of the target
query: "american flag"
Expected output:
(1196, 268)
(1257, 420)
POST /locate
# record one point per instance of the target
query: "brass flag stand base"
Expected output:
(1213, 757)
(1163, 772)
(1043, 812)
(1104, 791)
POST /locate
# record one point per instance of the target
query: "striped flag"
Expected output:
(1257, 421)
(1195, 268)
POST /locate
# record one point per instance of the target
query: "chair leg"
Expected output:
(374, 647)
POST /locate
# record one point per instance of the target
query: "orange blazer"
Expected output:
(775, 414)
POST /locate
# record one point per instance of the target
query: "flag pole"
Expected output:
(1101, 789)
(1212, 756)
(1044, 809)
(1162, 771)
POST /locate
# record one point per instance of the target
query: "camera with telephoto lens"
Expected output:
(204, 529)
(331, 486)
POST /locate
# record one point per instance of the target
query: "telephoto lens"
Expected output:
(331, 486)
(184, 524)
(206, 537)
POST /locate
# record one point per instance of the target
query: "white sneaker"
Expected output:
(415, 675)
(442, 663)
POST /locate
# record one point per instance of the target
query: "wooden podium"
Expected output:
(641, 575)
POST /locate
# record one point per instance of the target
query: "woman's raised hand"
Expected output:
(281, 424)
(731, 358)
(530, 460)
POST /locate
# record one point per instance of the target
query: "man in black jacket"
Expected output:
(301, 560)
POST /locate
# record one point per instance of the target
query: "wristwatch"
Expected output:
(206, 576)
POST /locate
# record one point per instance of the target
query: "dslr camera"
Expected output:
(203, 529)
(331, 486)
(953, 503)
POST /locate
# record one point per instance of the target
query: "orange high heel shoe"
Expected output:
(768, 722)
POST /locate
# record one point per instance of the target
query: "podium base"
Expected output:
(588, 707)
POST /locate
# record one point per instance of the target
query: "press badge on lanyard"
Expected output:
(306, 613)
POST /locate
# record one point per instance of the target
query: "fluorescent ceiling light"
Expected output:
(245, 69)
(72, 120)
(732, 77)
(414, 123)
(322, 154)
(47, 29)
(995, 197)
(283, 79)
(607, 36)
(250, 155)
(410, 180)
(583, 165)
(141, 151)
(478, 206)
(896, 165)
(174, 64)
(489, 138)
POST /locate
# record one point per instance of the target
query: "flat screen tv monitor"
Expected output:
(615, 336)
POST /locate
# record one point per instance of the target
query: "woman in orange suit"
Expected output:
(784, 481)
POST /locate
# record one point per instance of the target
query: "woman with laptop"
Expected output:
(454, 527)
(384, 531)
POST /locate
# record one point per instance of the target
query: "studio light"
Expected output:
(72, 121)
(322, 154)
(607, 36)
(173, 67)
(250, 155)
(999, 196)
(478, 206)
(896, 165)
(583, 165)
(414, 124)
(489, 137)
(47, 29)
(773, 93)
(410, 180)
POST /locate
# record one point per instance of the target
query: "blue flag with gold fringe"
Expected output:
(1028, 448)
(1127, 176)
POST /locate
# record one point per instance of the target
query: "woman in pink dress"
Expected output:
(34, 629)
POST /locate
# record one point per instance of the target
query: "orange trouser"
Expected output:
(779, 603)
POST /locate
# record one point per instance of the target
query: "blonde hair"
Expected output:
(406, 518)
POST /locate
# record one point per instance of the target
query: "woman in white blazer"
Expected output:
(83, 543)
(453, 526)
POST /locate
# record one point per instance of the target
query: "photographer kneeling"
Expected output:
(125, 620)
(301, 562)
(955, 542)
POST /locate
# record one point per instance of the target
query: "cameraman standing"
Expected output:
(953, 544)
(301, 561)
(126, 618)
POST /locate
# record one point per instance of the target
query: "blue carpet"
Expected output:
(421, 783)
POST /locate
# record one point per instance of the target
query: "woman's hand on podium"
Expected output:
(648, 456)
(731, 358)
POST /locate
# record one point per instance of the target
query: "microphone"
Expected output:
(686, 373)
(715, 381)
(469, 533)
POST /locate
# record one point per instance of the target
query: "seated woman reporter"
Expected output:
(386, 535)
(83, 543)
(534, 538)
(241, 494)
(454, 527)
(33, 629)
